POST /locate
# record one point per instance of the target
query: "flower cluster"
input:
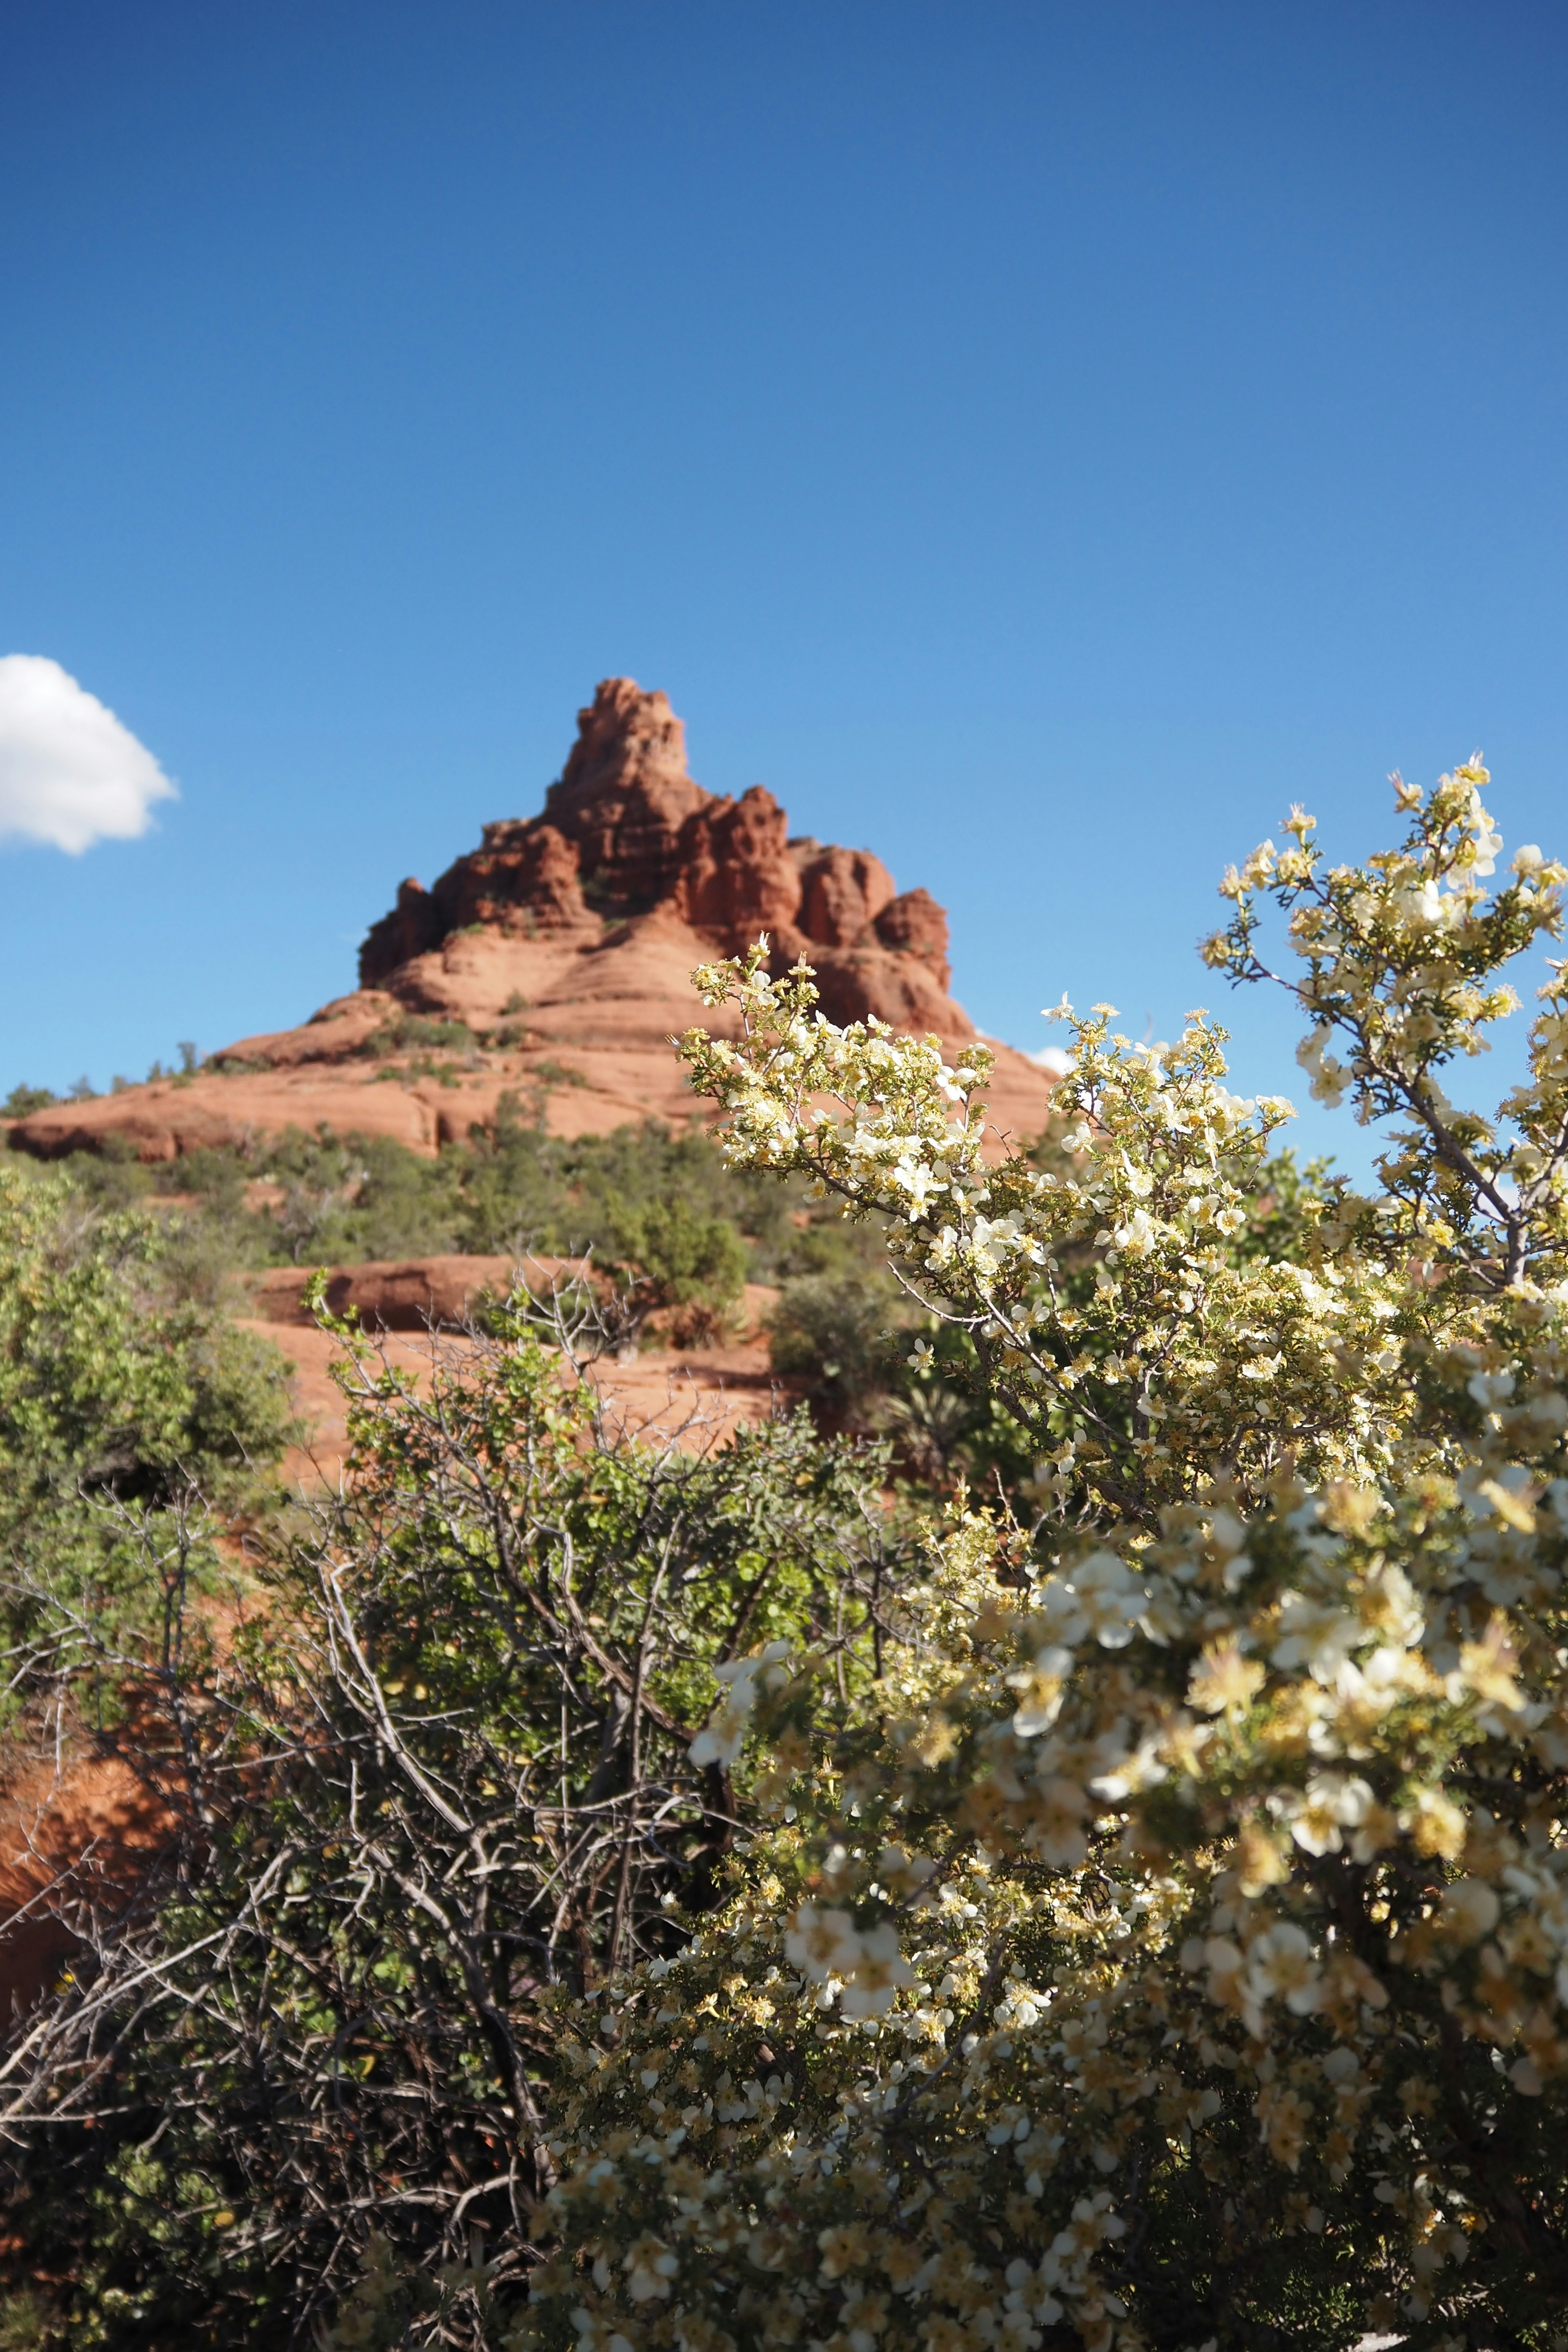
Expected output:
(1401, 959)
(1177, 1933)
(863, 1966)
(1117, 1312)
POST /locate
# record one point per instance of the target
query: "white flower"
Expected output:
(1138, 1235)
(1112, 1598)
(1317, 1634)
(1056, 1830)
(1140, 1770)
(1332, 1805)
(822, 1944)
(1471, 1910)
(1099, 1597)
(1039, 1688)
(827, 1946)
(1139, 1183)
(1058, 1604)
(1390, 1605)
(1311, 1051)
(649, 2266)
(879, 1971)
(902, 1871)
(1488, 844)
(721, 1737)
(1421, 905)
(1228, 1537)
(993, 1240)
(919, 1183)
(1377, 1681)
(1281, 1961)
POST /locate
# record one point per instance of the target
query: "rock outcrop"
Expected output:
(553, 964)
(628, 833)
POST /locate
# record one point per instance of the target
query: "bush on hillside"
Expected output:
(683, 1231)
(329, 1199)
(119, 1393)
(24, 1099)
(110, 1379)
(668, 1256)
(838, 1333)
(443, 1775)
(1173, 1949)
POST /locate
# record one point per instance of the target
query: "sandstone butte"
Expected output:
(564, 944)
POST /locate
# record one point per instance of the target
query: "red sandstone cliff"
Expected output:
(565, 943)
(627, 832)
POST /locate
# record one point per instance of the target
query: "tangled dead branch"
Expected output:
(431, 1768)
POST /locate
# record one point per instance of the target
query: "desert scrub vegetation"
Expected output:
(678, 1230)
(122, 1394)
(112, 1378)
(660, 1211)
(329, 1199)
(1123, 1906)
(448, 1764)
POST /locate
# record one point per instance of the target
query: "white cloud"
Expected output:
(71, 774)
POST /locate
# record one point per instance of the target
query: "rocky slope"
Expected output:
(553, 964)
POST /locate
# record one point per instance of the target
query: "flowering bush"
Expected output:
(1171, 1948)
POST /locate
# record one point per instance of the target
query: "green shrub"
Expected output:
(23, 1100)
(109, 1379)
(412, 1030)
(443, 1775)
(674, 1257)
(835, 1331)
(121, 1392)
(346, 1197)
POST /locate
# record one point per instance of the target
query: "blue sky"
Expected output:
(1039, 442)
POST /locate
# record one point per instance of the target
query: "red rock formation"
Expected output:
(411, 926)
(843, 892)
(626, 831)
(565, 943)
(625, 797)
(915, 925)
(737, 878)
(395, 1295)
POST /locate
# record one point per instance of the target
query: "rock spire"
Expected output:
(626, 831)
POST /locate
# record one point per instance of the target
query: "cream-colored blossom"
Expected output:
(1257, 1727)
(722, 1739)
